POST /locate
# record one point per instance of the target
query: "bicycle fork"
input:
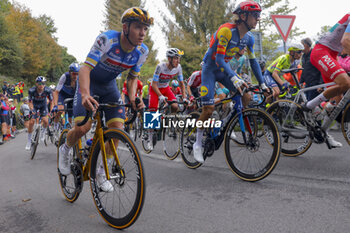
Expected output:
(104, 154)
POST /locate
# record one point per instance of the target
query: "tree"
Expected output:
(10, 52)
(271, 38)
(48, 24)
(195, 22)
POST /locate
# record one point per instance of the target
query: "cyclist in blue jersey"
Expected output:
(229, 39)
(112, 53)
(38, 96)
(65, 89)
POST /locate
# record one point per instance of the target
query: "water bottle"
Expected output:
(87, 147)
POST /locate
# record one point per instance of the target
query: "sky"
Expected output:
(79, 22)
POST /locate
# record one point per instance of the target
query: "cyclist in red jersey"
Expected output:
(175, 87)
(125, 95)
(193, 83)
(324, 58)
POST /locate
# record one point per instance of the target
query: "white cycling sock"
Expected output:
(316, 101)
(29, 137)
(199, 137)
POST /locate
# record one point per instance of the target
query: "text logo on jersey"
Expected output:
(151, 120)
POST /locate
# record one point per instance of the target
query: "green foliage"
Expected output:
(323, 31)
(27, 45)
(10, 53)
(196, 21)
(48, 24)
(271, 38)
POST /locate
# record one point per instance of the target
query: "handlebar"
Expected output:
(110, 104)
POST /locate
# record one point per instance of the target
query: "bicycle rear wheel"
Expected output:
(120, 206)
(72, 184)
(35, 142)
(187, 139)
(345, 123)
(258, 151)
(294, 133)
(171, 143)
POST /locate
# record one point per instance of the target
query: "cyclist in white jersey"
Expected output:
(165, 72)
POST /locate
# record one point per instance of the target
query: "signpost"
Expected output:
(284, 25)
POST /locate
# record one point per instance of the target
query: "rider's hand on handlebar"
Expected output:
(285, 85)
(264, 87)
(89, 102)
(162, 99)
(238, 83)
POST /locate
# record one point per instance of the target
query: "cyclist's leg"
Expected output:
(325, 61)
(207, 94)
(115, 118)
(171, 97)
(73, 135)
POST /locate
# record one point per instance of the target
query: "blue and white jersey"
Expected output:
(107, 58)
(64, 86)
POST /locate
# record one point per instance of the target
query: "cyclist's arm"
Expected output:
(345, 41)
(189, 90)
(275, 75)
(55, 97)
(84, 85)
(131, 85)
(183, 91)
(253, 63)
(224, 35)
(155, 88)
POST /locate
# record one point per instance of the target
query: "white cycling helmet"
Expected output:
(174, 52)
(296, 47)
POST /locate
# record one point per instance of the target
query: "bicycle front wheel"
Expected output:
(122, 203)
(35, 142)
(294, 133)
(171, 143)
(258, 150)
(72, 184)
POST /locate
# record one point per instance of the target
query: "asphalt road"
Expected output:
(310, 193)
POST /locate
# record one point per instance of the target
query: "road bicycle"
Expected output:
(68, 106)
(250, 136)
(121, 206)
(299, 129)
(35, 136)
(170, 135)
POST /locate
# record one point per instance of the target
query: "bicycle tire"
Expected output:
(144, 143)
(171, 143)
(293, 143)
(128, 155)
(253, 171)
(345, 123)
(187, 138)
(34, 143)
(71, 185)
(130, 115)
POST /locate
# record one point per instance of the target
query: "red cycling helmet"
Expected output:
(247, 6)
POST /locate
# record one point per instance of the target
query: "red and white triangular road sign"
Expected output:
(283, 24)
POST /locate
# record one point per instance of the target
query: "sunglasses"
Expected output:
(256, 14)
(74, 73)
(40, 83)
(299, 51)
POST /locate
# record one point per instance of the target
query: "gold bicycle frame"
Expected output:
(98, 137)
